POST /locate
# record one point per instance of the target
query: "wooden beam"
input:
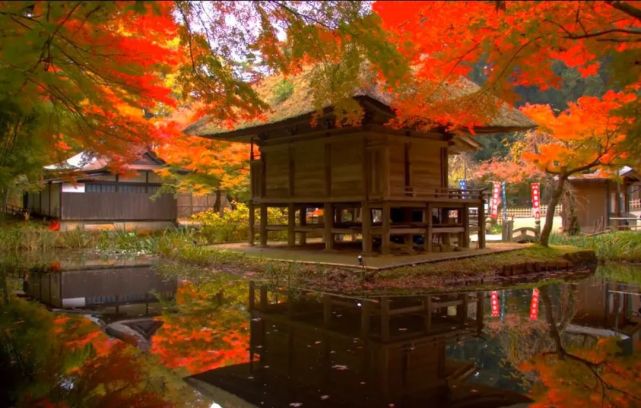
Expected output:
(328, 236)
(263, 225)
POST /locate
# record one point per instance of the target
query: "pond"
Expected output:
(240, 342)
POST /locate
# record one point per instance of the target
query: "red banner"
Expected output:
(494, 302)
(496, 200)
(534, 305)
(535, 191)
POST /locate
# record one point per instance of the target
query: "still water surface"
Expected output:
(241, 342)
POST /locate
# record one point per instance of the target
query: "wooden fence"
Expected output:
(114, 206)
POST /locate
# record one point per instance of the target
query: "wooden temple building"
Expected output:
(377, 184)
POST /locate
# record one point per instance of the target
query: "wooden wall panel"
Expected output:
(397, 168)
(347, 167)
(425, 159)
(309, 168)
(277, 171)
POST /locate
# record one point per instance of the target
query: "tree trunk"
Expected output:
(218, 205)
(552, 203)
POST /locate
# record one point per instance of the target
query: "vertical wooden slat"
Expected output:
(291, 170)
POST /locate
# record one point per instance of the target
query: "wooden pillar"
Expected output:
(328, 236)
(252, 221)
(302, 221)
(481, 221)
(429, 230)
(263, 224)
(385, 229)
(291, 225)
(366, 228)
(465, 218)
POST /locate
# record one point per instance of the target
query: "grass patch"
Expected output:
(614, 246)
(481, 265)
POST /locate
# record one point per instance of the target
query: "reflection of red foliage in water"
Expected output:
(199, 338)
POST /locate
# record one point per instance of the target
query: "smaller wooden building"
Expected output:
(98, 198)
(600, 202)
(377, 184)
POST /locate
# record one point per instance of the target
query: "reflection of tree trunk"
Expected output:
(549, 315)
(563, 354)
(552, 203)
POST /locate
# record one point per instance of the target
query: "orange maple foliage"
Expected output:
(518, 42)
(202, 337)
(587, 135)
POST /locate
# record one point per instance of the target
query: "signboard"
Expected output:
(535, 192)
(496, 200)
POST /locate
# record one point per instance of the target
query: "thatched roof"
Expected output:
(300, 103)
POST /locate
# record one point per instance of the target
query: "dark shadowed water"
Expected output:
(241, 343)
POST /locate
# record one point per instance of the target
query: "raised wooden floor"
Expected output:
(347, 256)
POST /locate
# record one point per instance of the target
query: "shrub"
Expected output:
(233, 224)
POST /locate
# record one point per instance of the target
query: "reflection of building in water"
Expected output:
(98, 287)
(326, 350)
(606, 308)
